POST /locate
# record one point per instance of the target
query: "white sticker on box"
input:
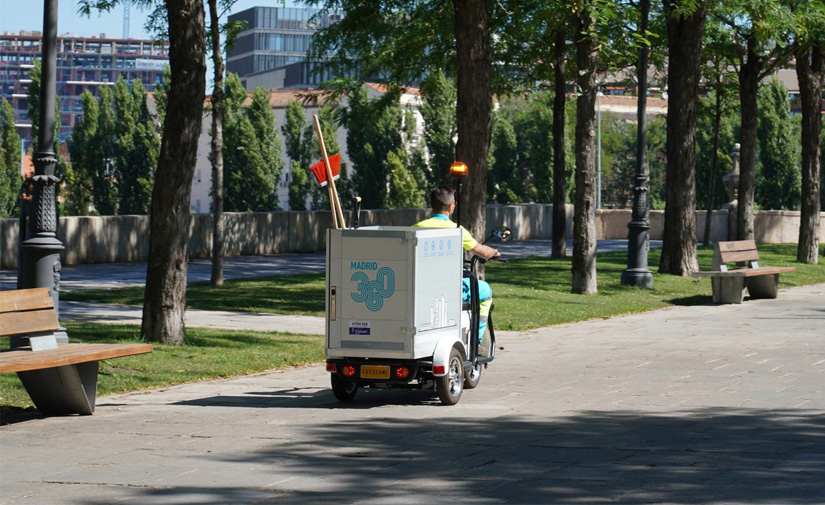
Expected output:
(359, 327)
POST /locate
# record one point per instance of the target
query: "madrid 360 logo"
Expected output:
(373, 292)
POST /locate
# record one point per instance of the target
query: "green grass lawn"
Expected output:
(529, 293)
(208, 354)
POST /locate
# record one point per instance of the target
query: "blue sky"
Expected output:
(16, 15)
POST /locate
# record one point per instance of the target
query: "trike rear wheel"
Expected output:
(451, 386)
(343, 390)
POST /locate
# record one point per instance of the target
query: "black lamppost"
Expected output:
(636, 273)
(40, 249)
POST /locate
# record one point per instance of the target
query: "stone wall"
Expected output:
(111, 239)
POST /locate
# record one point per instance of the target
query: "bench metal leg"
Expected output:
(728, 289)
(67, 389)
(763, 286)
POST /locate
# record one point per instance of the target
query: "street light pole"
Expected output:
(599, 151)
(40, 249)
(638, 237)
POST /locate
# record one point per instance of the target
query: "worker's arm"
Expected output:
(485, 251)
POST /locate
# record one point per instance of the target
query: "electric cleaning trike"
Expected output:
(394, 312)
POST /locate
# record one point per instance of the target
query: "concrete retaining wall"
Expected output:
(111, 239)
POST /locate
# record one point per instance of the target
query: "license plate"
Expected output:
(375, 372)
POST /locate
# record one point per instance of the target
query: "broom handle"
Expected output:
(336, 203)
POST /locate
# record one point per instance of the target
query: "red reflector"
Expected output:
(440, 370)
(330, 367)
(348, 370)
(402, 372)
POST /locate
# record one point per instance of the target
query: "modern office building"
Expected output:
(82, 63)
(274, 37)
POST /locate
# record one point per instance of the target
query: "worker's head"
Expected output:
(442, 200)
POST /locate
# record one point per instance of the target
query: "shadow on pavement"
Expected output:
(699, 456)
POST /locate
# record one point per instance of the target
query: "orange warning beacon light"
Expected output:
(320, 171)
(459, 170)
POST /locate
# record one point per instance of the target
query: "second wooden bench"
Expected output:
(729, 284)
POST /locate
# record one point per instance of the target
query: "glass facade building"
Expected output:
(274, 37)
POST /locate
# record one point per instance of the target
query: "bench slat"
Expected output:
(25, 323)
(25, 299)
(745, 272)
(740, 256)
(66, 354)
(736, 245)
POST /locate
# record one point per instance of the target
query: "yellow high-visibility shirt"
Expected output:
(442, 221)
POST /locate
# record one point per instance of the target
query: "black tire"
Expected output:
(343, 390)
(472, 376)
(451, 386)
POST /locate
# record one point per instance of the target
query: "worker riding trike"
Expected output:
(395, 317)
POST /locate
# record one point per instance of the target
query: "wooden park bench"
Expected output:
(729, 284)
(61, 378)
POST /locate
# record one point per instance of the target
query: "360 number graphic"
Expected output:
(373, 293)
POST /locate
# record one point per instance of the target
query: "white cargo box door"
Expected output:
(374, 317)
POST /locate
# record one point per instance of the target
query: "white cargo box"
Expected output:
(392, 291)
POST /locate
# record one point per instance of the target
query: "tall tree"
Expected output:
(759, 48)
(292, 131)
(474, 106)
(685, 33)
(124, 175)
(105, 163)
(584, 221)
(9, 161)
(438, 110)
(252, 151)
(559, 249)
(143, 158)
(374, 129)
(167, 266)
(810, 71)
(216, 155)
(778, 152)
(82, 149)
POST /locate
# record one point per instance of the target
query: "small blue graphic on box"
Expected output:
(359, 331)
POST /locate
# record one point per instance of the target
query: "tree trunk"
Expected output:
(165, 295)
(559, 169)
(685, 34)
(584, 220)
(714, 157)
(217, 147)
(748, 87)
(809, 71)
(474, 107)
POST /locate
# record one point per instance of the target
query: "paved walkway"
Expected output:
(704, 404)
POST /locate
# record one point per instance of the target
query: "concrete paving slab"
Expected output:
(703, 404)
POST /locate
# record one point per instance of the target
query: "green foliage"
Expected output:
(10, 146)
(657, 161)
(619, 143)
(104, 162)
(251, 151)
(80, 178)
(521, 150)
(373, 132)
(779, 181)
(438, 95)
(728, 135)
(160, 94)
(405, 191)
